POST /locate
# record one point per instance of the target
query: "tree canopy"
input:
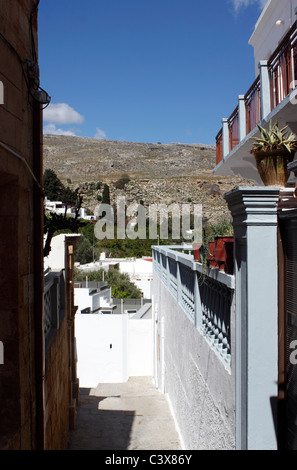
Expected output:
(55, 190)
(121, 286)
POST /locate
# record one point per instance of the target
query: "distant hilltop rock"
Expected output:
(157, 173)
(83, 158)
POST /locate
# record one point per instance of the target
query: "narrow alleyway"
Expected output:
(124, 416)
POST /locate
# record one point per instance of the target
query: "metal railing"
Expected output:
(252, 100)
(53, 303)
(205, 296)
(233, 125)
(219, 147)
(282, 67)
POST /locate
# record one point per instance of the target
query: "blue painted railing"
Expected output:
(205, 295)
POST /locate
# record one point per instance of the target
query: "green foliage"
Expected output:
(87, 249)
(84, 251)
(125, 248)
(56, 191)
(58, 223)
(68, 197)
(53, 187)
(274, 139)
(106, 195)
(121, 286)
(222, 227)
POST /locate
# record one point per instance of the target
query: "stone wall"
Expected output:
(57, 389)
(18, 224)
(200, 389)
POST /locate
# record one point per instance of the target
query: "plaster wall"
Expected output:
(267, 35)
(144, 284)
(137, 266)
(200, 389)
(140, 348)
(82, 298)
(111, 348)
(140, 273)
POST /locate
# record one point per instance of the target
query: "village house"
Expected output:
(220, 341)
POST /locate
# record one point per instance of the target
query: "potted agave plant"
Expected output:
(273, 150)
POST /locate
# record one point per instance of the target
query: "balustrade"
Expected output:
(282, 73)
(53, 302)
(182, 276)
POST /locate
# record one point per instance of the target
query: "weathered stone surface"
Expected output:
(82, 158)
(173, 173)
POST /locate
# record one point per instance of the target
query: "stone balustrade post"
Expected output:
(254, 212)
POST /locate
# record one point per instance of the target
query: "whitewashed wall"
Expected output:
(140, 272)
(140, 347)
(267, 34)
(111, 348)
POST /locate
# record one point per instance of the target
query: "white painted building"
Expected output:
(94, 299)
(58, 207)
(272, 96)
(112, 348)
(273, 24)
(56, 258)
(109, 348)
(140, 270)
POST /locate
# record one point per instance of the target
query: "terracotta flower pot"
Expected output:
(196, 251)
(224, 253)
(272, 166)
(211, 256)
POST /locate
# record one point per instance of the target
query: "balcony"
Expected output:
(271, 96)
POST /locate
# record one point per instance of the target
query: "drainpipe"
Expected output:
(38, 278)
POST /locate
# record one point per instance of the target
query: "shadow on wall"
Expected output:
(100, 429)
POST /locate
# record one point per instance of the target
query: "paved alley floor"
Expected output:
(124, 416)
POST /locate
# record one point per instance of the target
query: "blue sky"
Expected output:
(145, 70)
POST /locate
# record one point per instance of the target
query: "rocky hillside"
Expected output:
(180, 173)
(85, 159)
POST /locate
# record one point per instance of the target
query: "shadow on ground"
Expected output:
(133, 415)
(99, 429)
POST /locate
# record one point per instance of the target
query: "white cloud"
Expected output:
(62, 113)
(238, 4)
(100, 134)
(52, 129)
